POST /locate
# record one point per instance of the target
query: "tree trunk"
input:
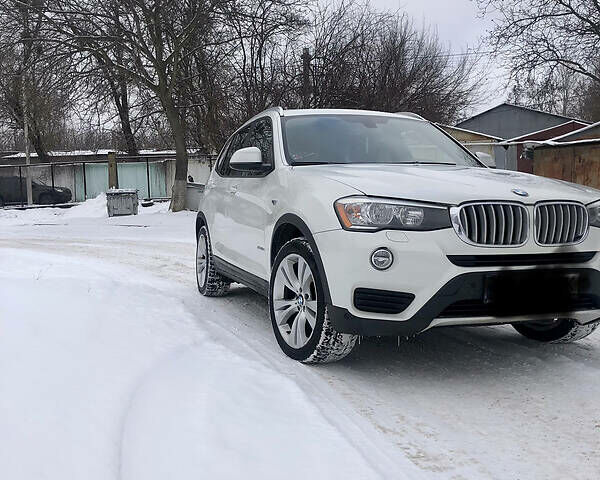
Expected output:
(181, 158)
(127, 131)
(123, 107)
(35, 137)
(120, 97)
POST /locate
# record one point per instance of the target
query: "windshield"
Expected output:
(325, 139)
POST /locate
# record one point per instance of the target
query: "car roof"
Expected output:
(332, 111)
(346, 111)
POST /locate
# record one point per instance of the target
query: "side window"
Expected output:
(240, 140)
(262, 137)
(221, 158)
(257, 134)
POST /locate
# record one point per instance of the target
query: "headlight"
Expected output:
(372, 214)
(594, 211)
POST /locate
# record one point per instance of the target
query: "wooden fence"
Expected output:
(577, 163)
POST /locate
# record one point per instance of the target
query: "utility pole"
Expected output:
(26, 39)
(113, 174)
(306, 78)
(26, 134)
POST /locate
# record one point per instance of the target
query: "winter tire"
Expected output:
(297, 307)
(210, 282)
(559, 330)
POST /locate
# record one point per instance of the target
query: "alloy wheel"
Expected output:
(295, 300)
(201, 260)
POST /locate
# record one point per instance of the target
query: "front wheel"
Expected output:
(297, 306)
(558, 330)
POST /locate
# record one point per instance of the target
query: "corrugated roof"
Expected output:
(507, 104)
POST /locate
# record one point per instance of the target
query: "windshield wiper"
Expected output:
(428, 163)
(299, 164)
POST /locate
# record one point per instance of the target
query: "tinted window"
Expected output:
(240, 140)
(368, 139)
(221, 158)
(257, 134)
(262, 137)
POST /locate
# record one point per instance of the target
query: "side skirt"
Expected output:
(238, 275)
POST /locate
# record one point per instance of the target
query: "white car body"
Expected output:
(245, 215)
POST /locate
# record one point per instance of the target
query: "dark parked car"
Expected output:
(14, 190)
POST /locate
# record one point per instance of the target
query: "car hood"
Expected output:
(452, 184)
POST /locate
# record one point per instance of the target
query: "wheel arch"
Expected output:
(288, 227)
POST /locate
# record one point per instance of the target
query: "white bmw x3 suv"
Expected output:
(366, 223)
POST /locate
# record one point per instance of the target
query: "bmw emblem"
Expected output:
(520, 193)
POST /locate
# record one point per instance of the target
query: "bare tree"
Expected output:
(550, 44)
(185, 73)
(153, 39)
(360, 58)
(380, 61)
(27, 76)
(560, 92)
(588, 103)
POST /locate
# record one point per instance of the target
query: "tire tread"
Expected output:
(216, 284)
(578, 332)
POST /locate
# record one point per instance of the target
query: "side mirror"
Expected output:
(486, 159)
(247, 159)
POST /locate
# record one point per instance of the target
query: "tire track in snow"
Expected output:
(481, 403)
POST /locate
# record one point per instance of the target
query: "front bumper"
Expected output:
(422, 267)
(464, 300)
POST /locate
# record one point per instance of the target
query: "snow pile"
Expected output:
(91, 209)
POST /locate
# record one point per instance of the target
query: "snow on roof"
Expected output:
(552, 143)
(73, 153)
(99, 152)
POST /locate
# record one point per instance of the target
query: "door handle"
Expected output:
(233, 189)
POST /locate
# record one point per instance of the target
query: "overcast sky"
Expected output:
(458, 26)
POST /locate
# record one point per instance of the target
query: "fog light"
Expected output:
(382, 259)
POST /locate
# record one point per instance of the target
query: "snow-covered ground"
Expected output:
(112, 366)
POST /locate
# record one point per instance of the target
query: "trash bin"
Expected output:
(122, 201)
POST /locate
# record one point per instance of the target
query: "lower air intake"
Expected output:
(381, 301)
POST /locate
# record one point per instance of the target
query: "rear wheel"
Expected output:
(210, 282)
(558, 330)
(298, 311)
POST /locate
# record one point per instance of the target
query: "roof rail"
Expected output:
(411, 114)
(278, 109)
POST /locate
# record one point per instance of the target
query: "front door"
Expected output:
(222, 187)
(252, 206)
